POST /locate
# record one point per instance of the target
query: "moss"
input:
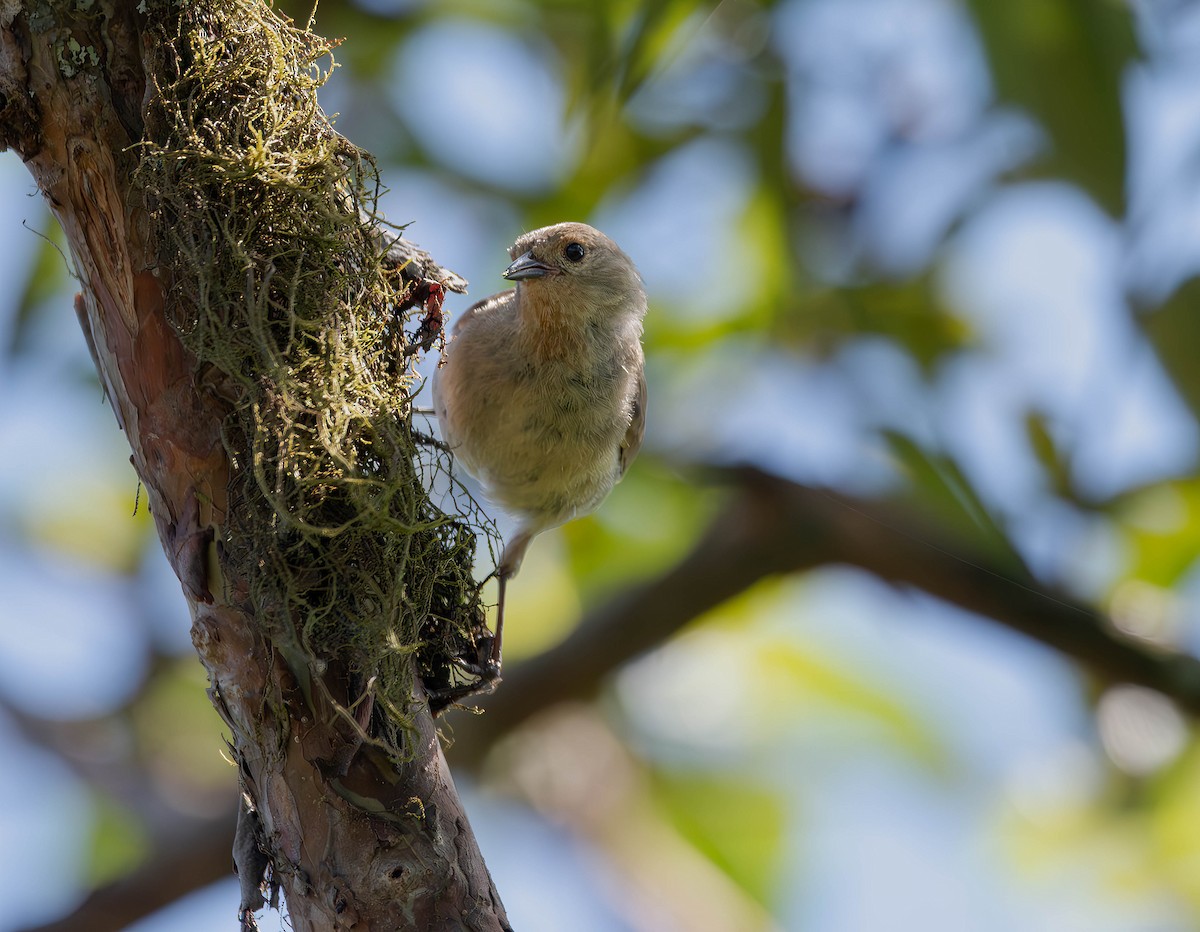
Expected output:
(281, 281)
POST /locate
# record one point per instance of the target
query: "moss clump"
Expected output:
(294, 299)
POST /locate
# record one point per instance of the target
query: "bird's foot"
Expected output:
(468, 678)
(483, 666)
(430, 441)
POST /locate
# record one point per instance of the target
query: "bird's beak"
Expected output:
(526, 266)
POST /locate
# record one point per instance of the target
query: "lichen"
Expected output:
(281, 282)
(8, 12)
(73, 57)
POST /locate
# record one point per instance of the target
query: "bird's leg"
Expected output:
(510, 562)
(483, 664)
(494, 657)
(488, 657)
(429, 440)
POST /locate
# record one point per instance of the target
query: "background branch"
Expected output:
(195, 855)
(773, 526)
(770, 526)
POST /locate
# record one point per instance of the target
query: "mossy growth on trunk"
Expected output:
(301, 310)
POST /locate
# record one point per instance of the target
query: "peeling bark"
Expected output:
(380, 847)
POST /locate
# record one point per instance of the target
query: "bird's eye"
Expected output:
(574, 252)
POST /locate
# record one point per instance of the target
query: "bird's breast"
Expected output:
(536, 409)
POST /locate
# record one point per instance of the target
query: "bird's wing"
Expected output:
(479, 308)
(632, 441)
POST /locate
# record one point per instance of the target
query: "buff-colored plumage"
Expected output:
(542, 397)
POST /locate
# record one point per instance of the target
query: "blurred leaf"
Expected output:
(1174, 330)
(92, 521)
(909, 312)
(671, 338)
(614, 157)
(652, 34)
(1042, 443)
(818, 676)
(585, 39)
(1062, 61)
(180, 737)
(774, 283)
(941, 486)
(1175, 827)
(118, 842)
(47, 273)
(1096, 847)
(739, 825)
(370, 42)
(649, 521)
(1162, 526)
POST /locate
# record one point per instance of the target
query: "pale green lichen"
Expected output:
(278, 280)
(73, 57)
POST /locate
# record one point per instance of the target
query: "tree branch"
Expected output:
(354, 845)
(193, 857)
(773, 526)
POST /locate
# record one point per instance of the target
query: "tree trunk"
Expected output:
(372, 843)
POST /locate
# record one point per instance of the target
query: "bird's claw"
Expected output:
(486, 677)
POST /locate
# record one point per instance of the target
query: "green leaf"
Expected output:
(1062, 61)
(47, 274)
(1174, 823)
(1044, 447)
(91, 520)
(650, 37)
(908, 312)
(618, 543)
(738, 824)
(118, 842)
(941, 487)
(1162, 525)
(176, 729)
(819, 677)
(1174, 330)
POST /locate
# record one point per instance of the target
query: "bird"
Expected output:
(541, 396)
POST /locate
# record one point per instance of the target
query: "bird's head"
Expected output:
(575, 265)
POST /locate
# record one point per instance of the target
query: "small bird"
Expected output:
(542, 396)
